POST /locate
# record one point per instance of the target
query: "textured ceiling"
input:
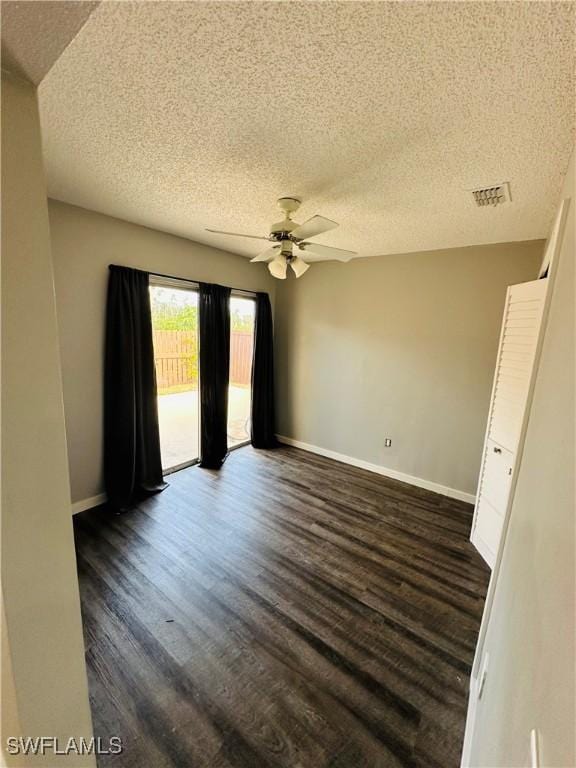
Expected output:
(34, 33)
(381, 115)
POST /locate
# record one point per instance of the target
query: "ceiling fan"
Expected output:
(289, 237)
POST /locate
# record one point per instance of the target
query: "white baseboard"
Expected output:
(83, 504)
(453, 493)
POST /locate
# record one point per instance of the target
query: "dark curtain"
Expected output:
(263, 434)
(214, 374)
(132, 462)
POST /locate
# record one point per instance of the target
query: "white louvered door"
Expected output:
(519, 340)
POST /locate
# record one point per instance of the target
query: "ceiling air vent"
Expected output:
(494, 195)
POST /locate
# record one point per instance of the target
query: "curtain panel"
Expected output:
(263, 428)
(132, 460)
(214, 374)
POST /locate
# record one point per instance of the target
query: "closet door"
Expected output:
(515, 365)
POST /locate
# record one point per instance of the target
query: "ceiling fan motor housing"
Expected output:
(286, 248)
(279, 230)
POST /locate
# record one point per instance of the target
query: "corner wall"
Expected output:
(531, 680)
(43, 634)
(84, 243)
(401, 347)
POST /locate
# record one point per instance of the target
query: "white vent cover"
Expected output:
(493, 195)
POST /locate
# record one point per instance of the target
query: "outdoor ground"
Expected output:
(178, 416)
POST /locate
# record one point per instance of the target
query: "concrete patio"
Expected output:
(178, 416)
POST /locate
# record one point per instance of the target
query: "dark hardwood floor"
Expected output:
(286, 611)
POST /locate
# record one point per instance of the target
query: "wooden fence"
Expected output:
(176, 356)
(241, 348)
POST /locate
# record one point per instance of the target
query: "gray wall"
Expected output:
(531, 678)
(83, 244)
(45, 655)
(401, 347)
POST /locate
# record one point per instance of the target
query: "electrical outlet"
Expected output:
(387, 442)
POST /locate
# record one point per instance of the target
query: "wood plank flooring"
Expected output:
(288, 611)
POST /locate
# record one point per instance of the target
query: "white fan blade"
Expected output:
(314, 226)
(317, 252)
(266, 255)
(236, 234)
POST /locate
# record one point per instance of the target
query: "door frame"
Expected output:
(479, 665)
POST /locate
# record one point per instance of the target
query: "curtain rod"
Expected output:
(188, 280)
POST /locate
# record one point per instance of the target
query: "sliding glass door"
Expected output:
(174, 306)
(242, 316)
(175, 331)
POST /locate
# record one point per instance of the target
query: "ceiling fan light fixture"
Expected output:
(278, 267)
(299, 266)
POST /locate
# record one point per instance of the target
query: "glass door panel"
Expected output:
(175, 331)
(242, 316)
